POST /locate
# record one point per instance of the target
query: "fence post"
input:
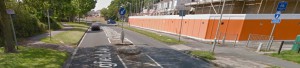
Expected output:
(236, 37)
(249, 38)
(282, 42)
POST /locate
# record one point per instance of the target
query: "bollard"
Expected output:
(223, 40)
(299, 50)
(259, 47)
(282, 42)
(236, 37)
(249, 38)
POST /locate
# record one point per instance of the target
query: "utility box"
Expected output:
(296, 45)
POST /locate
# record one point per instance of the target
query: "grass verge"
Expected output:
(70, 37)
(202, 54)
(80, 24)
(288, 55)
(164, 39)
(33, 58)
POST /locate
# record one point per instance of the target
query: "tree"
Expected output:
(5, 24)
(136, 6)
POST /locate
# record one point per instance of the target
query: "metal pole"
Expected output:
(122, 37)
(130, 9)
(13, 28)
(180, 28)
(270, 38)
(217, 32)
(282, 42)
(49, 25)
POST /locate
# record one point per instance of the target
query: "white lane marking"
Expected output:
(110, 43)
(154, 61)
(105, 33)
(122, 61)
(108, 40)
(76, 49)
(147, 55)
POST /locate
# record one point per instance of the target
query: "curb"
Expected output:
(69, 60)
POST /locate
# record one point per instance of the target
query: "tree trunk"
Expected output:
(5, 23)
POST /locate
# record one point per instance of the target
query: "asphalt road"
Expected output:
(162, 54)
(96, 51)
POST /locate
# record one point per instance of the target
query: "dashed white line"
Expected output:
(128, 40)
(105, 32)
(108, 40)
(122, 61)
(154, 61)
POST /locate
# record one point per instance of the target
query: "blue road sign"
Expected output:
(10, 11)
(122, 11)
(276, 21)
(282, 6)
(277, 14)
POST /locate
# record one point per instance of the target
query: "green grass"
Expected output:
(203, 54)
(164, 39)
(33, 58)
(272, 66)
(288, 55)
(70, 37)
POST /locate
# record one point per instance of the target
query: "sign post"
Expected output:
(218, 28)
(181, 14)
(12, 12)
(281, 7)
(49, 25)
(122, 12)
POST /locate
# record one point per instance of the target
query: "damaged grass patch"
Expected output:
(202, 54)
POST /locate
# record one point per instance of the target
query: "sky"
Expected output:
(102, 4)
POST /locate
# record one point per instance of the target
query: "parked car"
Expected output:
(95, 27)
(110, 21)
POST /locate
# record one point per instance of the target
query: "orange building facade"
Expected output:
(233, 26)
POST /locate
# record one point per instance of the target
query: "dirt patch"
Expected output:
(58, 47)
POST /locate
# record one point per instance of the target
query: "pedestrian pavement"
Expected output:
(37, 38)
(35, 41)
(232, 57)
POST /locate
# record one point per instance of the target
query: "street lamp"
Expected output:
(218, 28)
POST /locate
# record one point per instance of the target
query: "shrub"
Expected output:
(27, 24)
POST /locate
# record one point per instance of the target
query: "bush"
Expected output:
(27, 24)
(54, 24)
(1, 39)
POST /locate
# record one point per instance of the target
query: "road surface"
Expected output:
(97, 50)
